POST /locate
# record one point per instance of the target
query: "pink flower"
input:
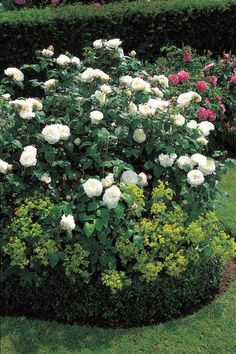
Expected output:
(20, 2)
(201, 86)
(222, 61)
(223, 110)
(207, 100)
(187, 56)
(208, 67)
(233, 79)
(211, 115)
(202, 113)
(150, 78)
(183, 75)
(226, 56)
(213, 80)
(55, 2)
(219, 99)
(174, 79)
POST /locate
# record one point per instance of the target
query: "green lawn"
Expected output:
(212, 330)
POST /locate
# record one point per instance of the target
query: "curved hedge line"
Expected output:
(143, 26)
(139, 304)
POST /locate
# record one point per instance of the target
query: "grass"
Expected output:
(212, 330)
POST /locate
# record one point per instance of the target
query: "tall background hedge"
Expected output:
(143, 26)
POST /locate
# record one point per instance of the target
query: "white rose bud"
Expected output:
(6, 96)
(162, 80)
(195, 178)
(167, 160)
(111, 197)
(67, 222)
(77, 141)
(157, 92)
(93, 187)
(28, 156)
(201, 140)
(75, 61)
(96, 117)
(113, 43)
(5, 167)
(139, 136)
(46, 178)
(132, 54)
(129, 177)
(47, 53)
(63, 60)
(106, 89)
(178, 120)
(15, 73)
(50, 83)
(98, 44)
(108, 180)
(143, 179)
(100, 96)
(132, 108)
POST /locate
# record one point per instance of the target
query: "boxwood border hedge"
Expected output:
(142, 25)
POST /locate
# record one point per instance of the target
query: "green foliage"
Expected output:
(162, 22)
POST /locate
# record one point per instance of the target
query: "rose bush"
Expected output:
(105, 174)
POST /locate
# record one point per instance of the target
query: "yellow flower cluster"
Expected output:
(114, 280)
(136, 194)
(44, 249)
(76, 262)
(15, 249)
(162, 191)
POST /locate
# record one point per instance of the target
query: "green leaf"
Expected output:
(148, 165)
(92, 206)
(89, 229)
(119, 211)
(50, 154)
(99, 224)
(105, 215)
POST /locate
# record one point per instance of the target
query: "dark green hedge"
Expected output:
(136, 305)
(143, 26)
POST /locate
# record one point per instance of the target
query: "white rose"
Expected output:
(87, 75)
(195, 178)
(6, 96)
(158, 104)
(15, 73)
(207, 168)
(93, 187)
(98, 44)
(167, 160)
(51, 133)
(99, 74)
(185, 99)
(106, 89)
(192, 124)
(5, 167)
(25, 108)
(178, 120)
(113, 43)
(46, 178)
(75, 61)
(77, 141)
(183, 161)
(206, 127)
(132, 54)
(47, 53)
(111, 197)
(37, 105)
(67, 222)
(50, 83)
(28, 156)
(129, 177)
(138, 84)
(162, 80)
(26, 114)
(132, 108)
(143, 179)
(125, 80)
(96, 117)
(63, 60)
(145, 110)
(157, 92)
(64, 131)
(108, 180)
(201, 140)
(139, 135)
(198, 159)
(100, 96)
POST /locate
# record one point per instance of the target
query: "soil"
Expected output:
(229, 276)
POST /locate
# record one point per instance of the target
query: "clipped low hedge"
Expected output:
(135, 305)
(143, 26)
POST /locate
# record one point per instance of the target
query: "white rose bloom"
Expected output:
(99, 74)
(96, 117)
(113, 43)
(108, 180)
(198, 159)
(192, 124)
(207, 168)
(167, 160)
(6, 96)
(77, 141)
(15, 73)
(47, 53)
(111, 197)
(125, 80)
(46, 178)
(158, 104)
(178, 120)
(51, 133)
(201, 140)
(183, 161)
(37, 105)
(138, 84)
(50, 83)
(157, 92)
(87, 75)
(63, 60)
(98, 44)
(195, 178)
(142, 179)
(206, 127)
(106, 89)
(64, 131)
(100, 96)
(132, 108)
(4, 167)
(26, 114)
(132, 54)
(93, 187)
(145, 110)
(25, 108)
(185, 99)
(28, 156)
(67, 222)
(75, 61)
(129, 177)
(162, 80)
(139, 136)
(196, 97)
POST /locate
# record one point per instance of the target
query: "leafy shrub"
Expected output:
(145, 26)
(106, 180)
